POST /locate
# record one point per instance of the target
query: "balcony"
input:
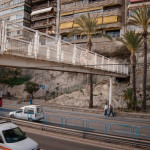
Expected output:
(36, 1)
(42, 25)
(105, 26)
(115, 12)
(66, 8)
(139, 4)
(42, 16)
(38, 7)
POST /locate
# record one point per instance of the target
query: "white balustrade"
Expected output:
(42, 46)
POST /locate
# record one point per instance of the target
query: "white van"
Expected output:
(30, 112)
(13, 138)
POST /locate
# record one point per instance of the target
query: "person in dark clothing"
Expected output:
(111, 111)
(105, 109)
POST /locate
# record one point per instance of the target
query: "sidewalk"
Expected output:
(14, 104)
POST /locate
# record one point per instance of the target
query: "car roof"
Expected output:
(31, 106)
(4, 125)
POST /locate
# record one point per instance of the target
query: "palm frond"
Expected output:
(131, 40)
(140, 17)
(87, 26)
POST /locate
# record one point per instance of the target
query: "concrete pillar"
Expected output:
(3, 36)
(95, 60)
(58, 49)
(30, 49)
(110, 91)
(74, 55)
(36, 44)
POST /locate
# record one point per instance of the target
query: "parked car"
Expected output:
(30, 112)
(13, 138)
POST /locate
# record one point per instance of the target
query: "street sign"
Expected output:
(43, 88)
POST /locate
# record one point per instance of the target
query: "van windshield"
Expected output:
(14, 135)
(39, 110)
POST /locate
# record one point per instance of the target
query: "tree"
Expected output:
(31, 88)
(87, 26)
(141, 17)
(132, 41)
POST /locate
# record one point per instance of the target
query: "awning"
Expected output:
(67, 13)
(99, 20)
(88, 9)
(109, 29)
(66, 25)
(75, 25)
(41, 11)
(110, 19)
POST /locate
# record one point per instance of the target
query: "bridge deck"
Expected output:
(27, 48)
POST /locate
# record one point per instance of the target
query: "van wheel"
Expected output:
(29, 119)
(12, 116)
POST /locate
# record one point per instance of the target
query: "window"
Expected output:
(19, 111)
(39, 110)
(13, 135)
(113, 33)
(92, 1)
(29, 111)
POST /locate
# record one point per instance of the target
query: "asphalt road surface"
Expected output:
(53, 142)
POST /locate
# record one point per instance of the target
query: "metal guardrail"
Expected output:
(83, 134)
(102, 127)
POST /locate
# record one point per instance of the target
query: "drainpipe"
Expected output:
(58, 18)
(110, 91)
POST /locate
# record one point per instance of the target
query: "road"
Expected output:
(51, 141)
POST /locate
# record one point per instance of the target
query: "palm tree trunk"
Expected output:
(134, 77)
(145, 71)
(89, 45)
(91, 91)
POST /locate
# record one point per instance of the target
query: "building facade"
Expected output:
(133, 4)
(43, 16)
(17, 11)
(109, 13)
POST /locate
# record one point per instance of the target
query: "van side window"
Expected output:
(29, 111)
(19, 111)
(39, 110)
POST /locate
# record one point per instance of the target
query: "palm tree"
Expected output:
(132, 41)
(141, 17)
(87, 26)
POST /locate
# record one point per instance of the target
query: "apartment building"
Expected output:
(133, 4)
(17, 11)
(109, 13)
(43, 16)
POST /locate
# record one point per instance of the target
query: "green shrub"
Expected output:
(15, 81)
(31, 88)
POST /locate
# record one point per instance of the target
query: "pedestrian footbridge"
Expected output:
(26, 48)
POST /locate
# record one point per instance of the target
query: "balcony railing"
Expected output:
(35, 1)
(89, 5)
(42, 16)
(117, 12)
(147, 2)
(41, 25)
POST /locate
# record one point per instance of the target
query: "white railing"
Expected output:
(25, 42)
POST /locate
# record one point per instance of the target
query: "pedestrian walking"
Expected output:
(105, 109)
(111, 111)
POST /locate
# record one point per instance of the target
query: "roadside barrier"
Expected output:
(76, 123)
(96, 126)
(93, 126)
(143, 132)
(121, 129)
